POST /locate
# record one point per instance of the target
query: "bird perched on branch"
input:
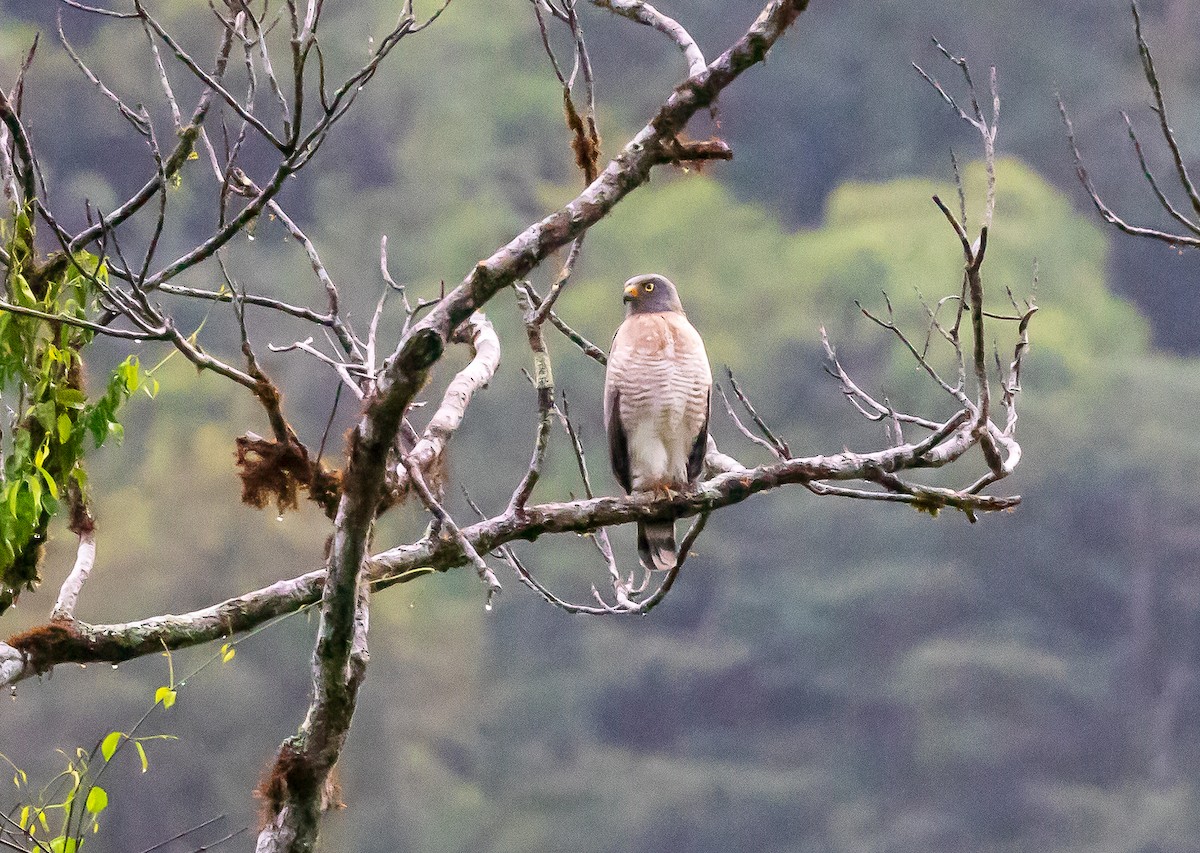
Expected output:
(656, 400)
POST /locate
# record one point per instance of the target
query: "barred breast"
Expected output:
(660, 369)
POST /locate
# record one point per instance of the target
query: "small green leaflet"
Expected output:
(64, 428)
(165, 695)
(109, 745)
(97, 800)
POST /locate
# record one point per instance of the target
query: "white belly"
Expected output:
(664, 379)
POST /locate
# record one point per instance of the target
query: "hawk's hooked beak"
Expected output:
(630, 293)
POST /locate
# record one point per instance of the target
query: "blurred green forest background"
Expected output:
(826, 676)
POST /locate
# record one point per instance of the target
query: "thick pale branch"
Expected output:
(42, 648)
(24, 152)
(646, 14)
(85, 560)
(482, 338)
(716, 462)
(8, 175)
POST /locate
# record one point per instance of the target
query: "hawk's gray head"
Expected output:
(651, 294)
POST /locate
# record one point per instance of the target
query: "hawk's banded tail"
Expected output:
(656, 545)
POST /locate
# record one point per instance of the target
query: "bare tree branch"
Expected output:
(479, 334)
(587, 347)
(1192, 226)
(27, 173)
(646, 14)
(82, 643)
(212, 84)
(85, 560)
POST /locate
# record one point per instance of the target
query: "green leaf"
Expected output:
(165, 695)
(227, 653)
(129, 373)
(42, 452)
(97, 800)
(22, 289)
(70, 398)
(64, 428)
(35, 489)
(44, 413)
(23, 822)
(141, 750)
(62, 844)
(109, 745)
(51, 486)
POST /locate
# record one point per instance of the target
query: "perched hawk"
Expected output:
(656, 395)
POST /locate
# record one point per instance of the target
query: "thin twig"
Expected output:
(781, 448)
(447, 523)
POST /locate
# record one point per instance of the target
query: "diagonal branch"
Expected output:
(1163, 200)
(448, 524)
(587, 347)
(171, 165)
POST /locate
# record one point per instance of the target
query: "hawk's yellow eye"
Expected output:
(649, 286)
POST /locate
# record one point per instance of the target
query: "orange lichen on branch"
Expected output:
(273, 471)
(585, 139)
(288, 772)
(46, 645)
(679, 149)
(292, 773)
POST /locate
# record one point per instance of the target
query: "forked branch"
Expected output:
(1190, 236)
